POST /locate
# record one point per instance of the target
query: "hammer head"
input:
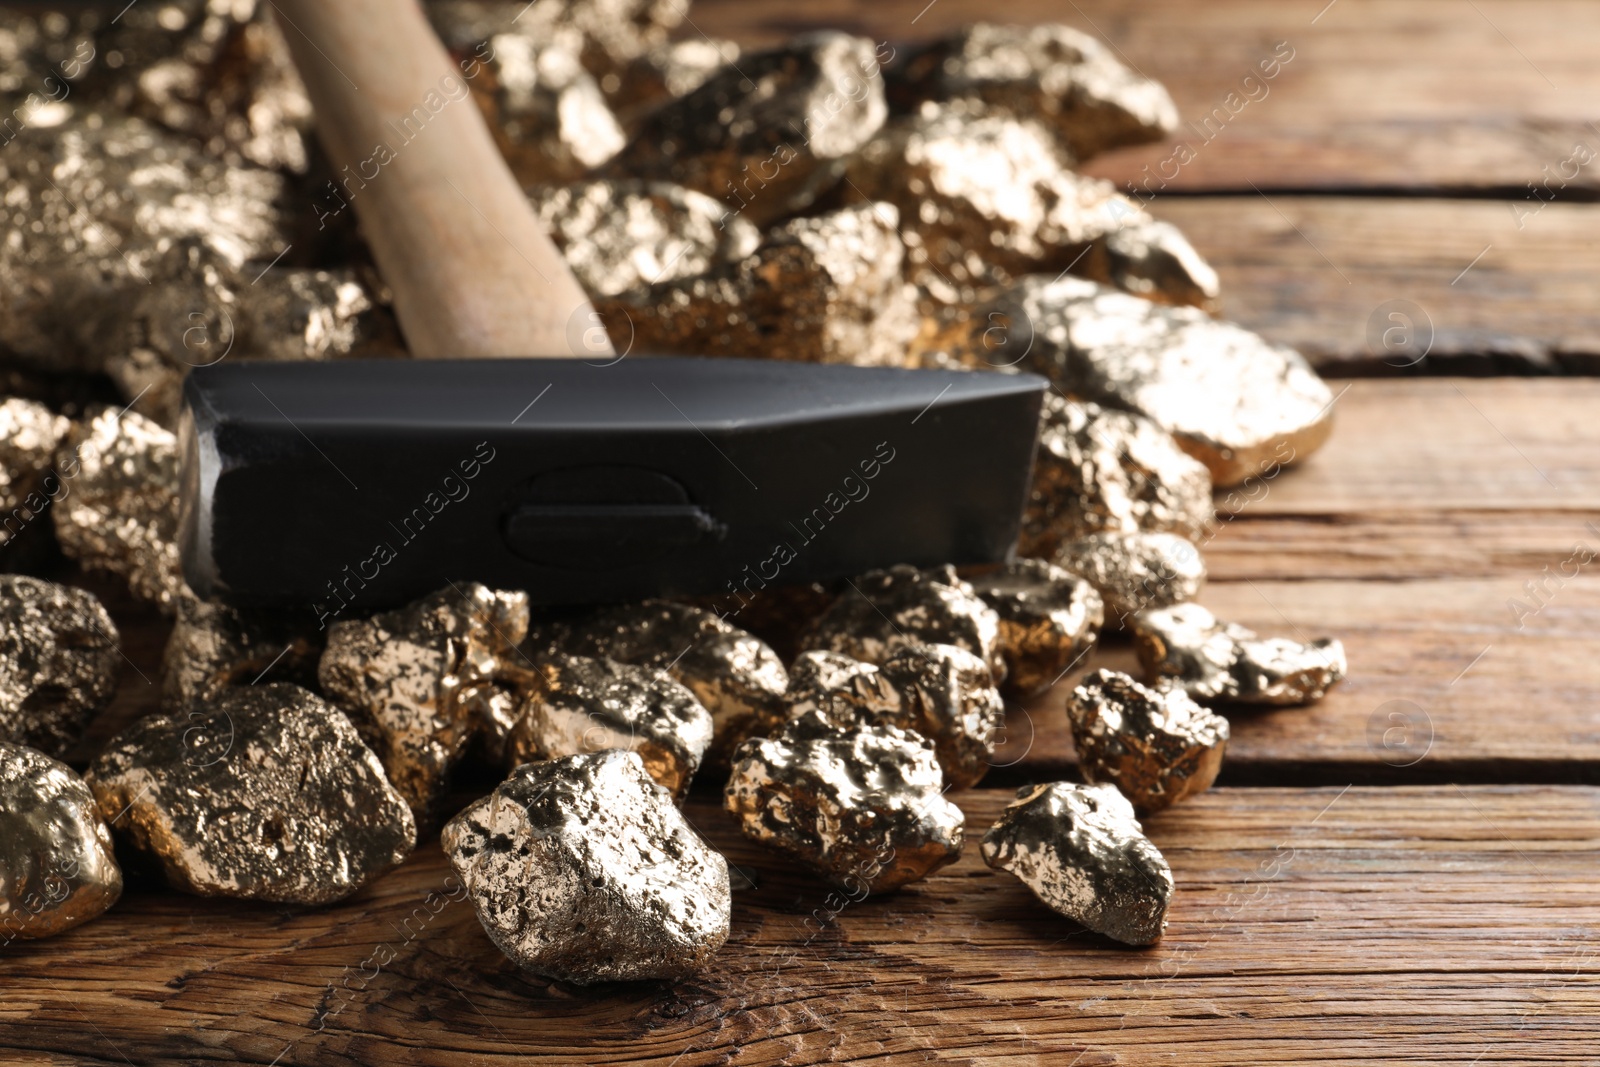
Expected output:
(372, 483)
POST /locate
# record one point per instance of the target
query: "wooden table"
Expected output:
(1402, 873)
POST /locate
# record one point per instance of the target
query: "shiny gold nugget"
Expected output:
(985, 199)
(30, 433)
(546, 112)
(1210, 659)
(582, 870)
(862, 806)
(59, 659)
(121, 515)
(593, 705)
(823, 289)
(948, 695)
(214, 646)
(770, 134)
(1157, 746)
(941, 692)
(1242, 406)
(607, 33)
(1049, 620)
(1081, 850)
(887, 610)
(843, 690)
(1099, 469)
(738, 678)
(621, 235)
(1135, 571)
(1060, 76)
(422, 680)
(265, 793)
(56, 865)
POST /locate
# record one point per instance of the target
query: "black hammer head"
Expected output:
(374, 482)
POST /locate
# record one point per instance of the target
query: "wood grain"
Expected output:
(1481, 286)
(1368, 926)
(1379, 94)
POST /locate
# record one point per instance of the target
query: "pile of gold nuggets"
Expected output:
(834, 199)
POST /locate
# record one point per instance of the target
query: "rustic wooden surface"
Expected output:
(1356, 926)
(1402, 873)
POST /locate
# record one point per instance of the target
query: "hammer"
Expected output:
(472, 272)
(366, 483)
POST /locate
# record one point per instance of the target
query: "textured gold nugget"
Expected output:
(621, 235)
(1081, 850)
(581, 869)
(942, 692)
(884, 611)
(987, 198)
(1049, 620)
(1242, 406)
(59, 659)
(1060, 76)
(823, 289)
(592, 705)
(843, 690)
(768, 135)
(607, 33)
(862, 806)
(547, 114)
(1099, 469)
(1210, 659)
(738, 678)
(122, 512)
(422, 680)
(30, 433)
(1135, 571)
(214, 646)
(1157, 746)
(56, 865)
(265, 793)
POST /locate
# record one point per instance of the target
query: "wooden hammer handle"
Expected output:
(472, 271)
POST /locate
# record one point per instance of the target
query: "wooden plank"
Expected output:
(1368, 926)
(1379, 94)
(1453, 286)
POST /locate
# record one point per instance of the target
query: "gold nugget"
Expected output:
(1098, 469)
(986, 198)
(265, 793)
(862, 806)
(592, 705)
(1081, 850)
(621, 235)
(59, 660)
(1210, 659)
(1157, 746)
(582, 870)
(1135, 571)
(1242, 406)
(56, 865)
(121, 515)
(1060, 76)
(1049, 620)
(770, 134)
(734, 674)
(941, 692)
(884, 611)
(824, 289)
(30, 433)
(213, 646)
(422, 680)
